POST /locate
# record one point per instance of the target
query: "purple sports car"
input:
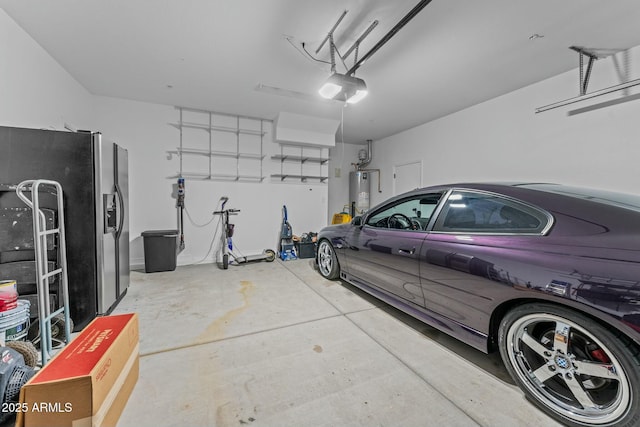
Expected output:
(547, 274)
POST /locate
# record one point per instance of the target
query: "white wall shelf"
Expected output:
(218, 128)
(297, 164)
(180, 151)
(300, 159)
(302, 178)
(225, 137)
(217, 177)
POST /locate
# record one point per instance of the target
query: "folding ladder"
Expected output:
(40, 235)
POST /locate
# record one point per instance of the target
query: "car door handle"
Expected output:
(406, 251)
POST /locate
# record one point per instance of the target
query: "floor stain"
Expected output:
(317, 348)
(222, 402)
(215, 330)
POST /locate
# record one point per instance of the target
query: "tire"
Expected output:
(576, 370)
(327, 261)
(57, 331)
(57, 328)
(27, 350)
(271, 255)
(225, 261)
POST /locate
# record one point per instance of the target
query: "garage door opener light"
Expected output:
(346, 87)
(341, 87)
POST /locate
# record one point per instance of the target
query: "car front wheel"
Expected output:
(572, 367)
(328, 261)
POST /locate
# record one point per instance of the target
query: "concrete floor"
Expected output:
(275, 344)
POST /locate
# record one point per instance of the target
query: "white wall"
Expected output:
(146, 131)
(36, 92)
(504, 140)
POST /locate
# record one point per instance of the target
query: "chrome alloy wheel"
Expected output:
(568, 370)
(327, 261)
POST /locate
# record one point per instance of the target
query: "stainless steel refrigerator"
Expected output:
(94, 179)
(112, 224)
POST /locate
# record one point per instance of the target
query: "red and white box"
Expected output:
(88, 382)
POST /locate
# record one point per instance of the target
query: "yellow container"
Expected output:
(341, 218)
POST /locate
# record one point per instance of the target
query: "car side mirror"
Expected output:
(357, 221)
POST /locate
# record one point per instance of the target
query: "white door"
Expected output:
(407, 177)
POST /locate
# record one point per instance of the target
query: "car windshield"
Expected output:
(628, 201)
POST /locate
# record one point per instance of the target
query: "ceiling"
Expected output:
(245, 56)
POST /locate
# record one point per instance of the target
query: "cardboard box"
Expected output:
(88, 383)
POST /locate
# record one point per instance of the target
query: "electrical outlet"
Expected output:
(337, 172)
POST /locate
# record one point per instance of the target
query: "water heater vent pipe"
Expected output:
(364, 162)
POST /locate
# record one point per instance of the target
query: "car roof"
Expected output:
(548, 196)
(577, 212)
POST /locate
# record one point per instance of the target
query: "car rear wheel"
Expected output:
(572, 367)
(328, 261)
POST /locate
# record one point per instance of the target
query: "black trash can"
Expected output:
(306, 250)
(160, 250)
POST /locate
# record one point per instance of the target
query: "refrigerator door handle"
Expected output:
(109, 213)
(120, 211)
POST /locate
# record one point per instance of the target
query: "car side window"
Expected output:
(407, 214)
(471, 212)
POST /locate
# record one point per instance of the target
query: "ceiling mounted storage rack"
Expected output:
(210, 141)
(585, 75)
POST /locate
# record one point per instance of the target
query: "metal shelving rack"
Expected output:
(212, 153)
(302, 159)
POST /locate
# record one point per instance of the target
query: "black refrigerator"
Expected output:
(93, 174)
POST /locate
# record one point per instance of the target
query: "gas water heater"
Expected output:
(359, 189)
